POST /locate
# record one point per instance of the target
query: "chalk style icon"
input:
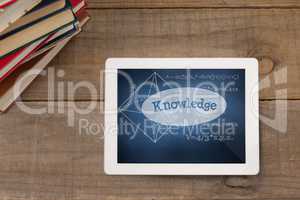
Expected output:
(152, 80)
(181, 116)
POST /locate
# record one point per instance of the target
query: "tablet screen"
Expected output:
(181, 116)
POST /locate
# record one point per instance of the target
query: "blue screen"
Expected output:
(181, 116)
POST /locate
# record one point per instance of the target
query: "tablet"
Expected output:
(181, 116)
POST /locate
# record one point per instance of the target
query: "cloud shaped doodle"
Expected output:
(184, 106)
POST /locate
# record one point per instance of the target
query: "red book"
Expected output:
(9, 63)
(5, 3)
(77, 4)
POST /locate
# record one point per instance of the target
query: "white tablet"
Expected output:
(183, 116)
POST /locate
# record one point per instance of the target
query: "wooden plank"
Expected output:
(42, 157)
(192, 3)
(272, 34)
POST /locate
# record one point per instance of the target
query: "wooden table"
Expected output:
(42, 157)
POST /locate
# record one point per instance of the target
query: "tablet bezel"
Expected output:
(250, 167)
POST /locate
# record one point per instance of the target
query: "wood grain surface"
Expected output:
(42, 157)
(193, 3)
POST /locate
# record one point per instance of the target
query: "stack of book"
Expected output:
(32, 32)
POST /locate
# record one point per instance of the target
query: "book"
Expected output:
(22, 81)
(35, 32)
(49, 43)
(9, 63)
(22, 78)
(83, 17)
(14, 11)
(77, 4)
(41, 11)
(5, 3)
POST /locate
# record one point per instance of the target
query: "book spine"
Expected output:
(14, 31)
(5, 4)
(11, 18)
